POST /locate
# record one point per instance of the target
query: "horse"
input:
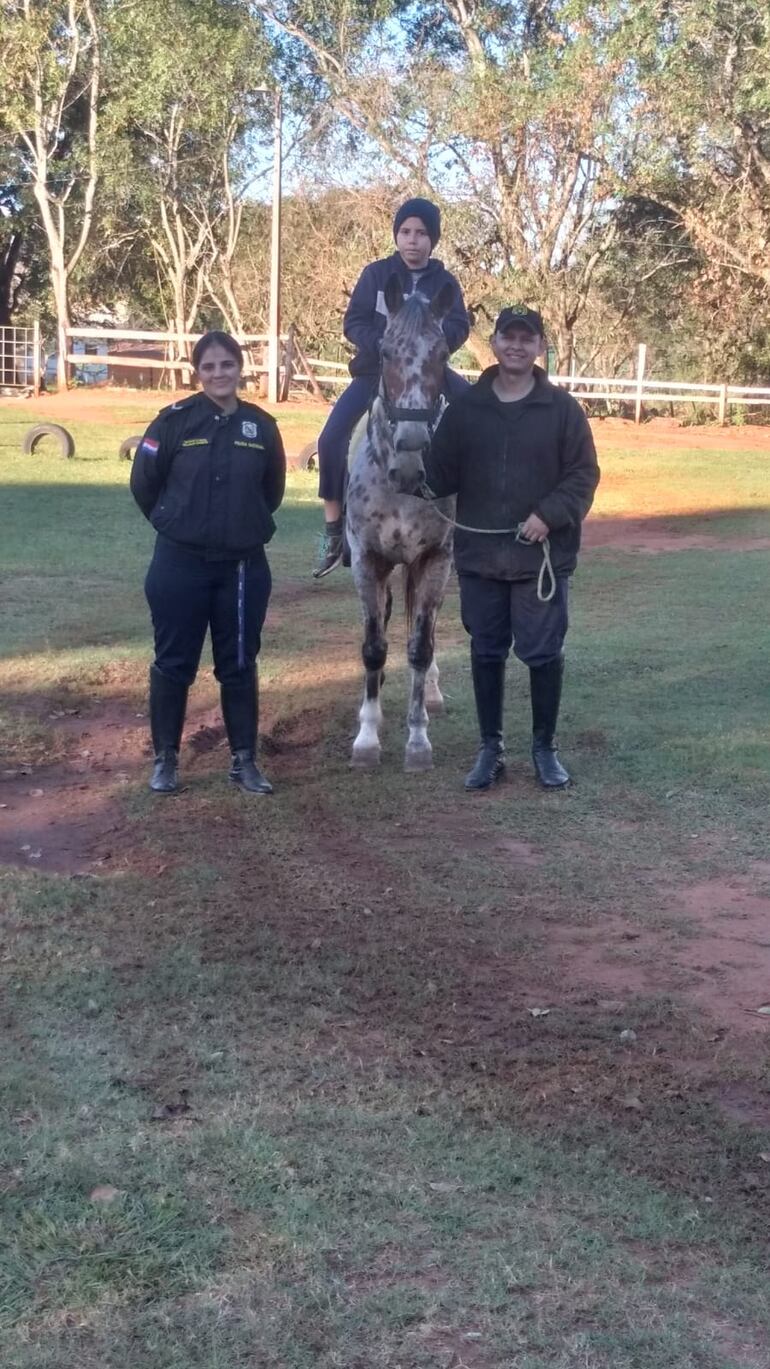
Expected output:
(388, 525)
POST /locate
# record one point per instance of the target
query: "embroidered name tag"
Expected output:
(258, 446)
(195, 442)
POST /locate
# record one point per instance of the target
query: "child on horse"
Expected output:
(416, 229)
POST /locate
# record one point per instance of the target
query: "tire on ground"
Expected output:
(34, 435)
(128, 447)
(308, 457)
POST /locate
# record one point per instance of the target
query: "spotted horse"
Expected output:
(388, 526)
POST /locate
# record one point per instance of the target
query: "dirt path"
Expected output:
(709, 950)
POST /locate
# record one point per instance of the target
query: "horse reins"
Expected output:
(546, 569)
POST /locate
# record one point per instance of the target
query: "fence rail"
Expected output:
(637, 389)
(20, 368)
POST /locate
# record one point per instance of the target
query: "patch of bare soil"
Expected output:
(711, 950)
(653, 536)
(65, 817)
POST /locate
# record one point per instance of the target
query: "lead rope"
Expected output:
(546, 569)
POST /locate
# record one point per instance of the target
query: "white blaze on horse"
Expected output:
(388, 526)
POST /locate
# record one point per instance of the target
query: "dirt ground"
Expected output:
(66, 818)
(96, 404)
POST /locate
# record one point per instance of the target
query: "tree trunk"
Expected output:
(59, 281)
(8, 264)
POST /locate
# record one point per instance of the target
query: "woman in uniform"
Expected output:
(209, 474)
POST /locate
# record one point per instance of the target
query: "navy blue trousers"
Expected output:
(498, 614)
(188, 595)
(337, 431)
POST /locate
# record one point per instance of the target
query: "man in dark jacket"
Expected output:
(518, 453)
(416, 230)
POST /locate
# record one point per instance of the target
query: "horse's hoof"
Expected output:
(365, 757)
(418, 759)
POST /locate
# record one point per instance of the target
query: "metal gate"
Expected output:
(20, 359)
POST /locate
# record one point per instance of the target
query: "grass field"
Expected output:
(377, 1075)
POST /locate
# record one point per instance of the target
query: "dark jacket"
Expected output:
(506, 461)
(366, 316)
(211, 481)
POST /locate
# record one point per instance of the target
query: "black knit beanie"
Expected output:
(420, 209)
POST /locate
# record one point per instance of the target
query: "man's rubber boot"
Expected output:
(332, 549)
(240, 710)
(168, 705)
(545, 683)
(488, 689)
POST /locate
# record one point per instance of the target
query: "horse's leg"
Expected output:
(373, 592)
(429, 579)
(434, 699)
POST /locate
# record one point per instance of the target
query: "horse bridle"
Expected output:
(395, 414)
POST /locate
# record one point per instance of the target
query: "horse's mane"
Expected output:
(409, 322)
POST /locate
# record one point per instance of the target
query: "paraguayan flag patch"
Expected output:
(150, 445)
(249, 429)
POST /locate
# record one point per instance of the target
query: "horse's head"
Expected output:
(414, 354)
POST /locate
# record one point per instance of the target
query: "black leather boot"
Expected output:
(488, 689)
(545, 688)
(168, 704)
(240, 710)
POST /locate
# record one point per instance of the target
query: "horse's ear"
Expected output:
(393, 294)
(443, 301)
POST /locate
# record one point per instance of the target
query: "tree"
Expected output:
(703, 69)
(328, 236)
(52, 57)
(512, 108)
(188, 108)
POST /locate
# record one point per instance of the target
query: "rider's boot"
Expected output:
(332, 549)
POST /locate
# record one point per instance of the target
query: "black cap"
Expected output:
(427, 211)
(518, 315)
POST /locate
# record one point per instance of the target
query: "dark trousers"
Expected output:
(188, 595)
(498, 614)
(337, 431)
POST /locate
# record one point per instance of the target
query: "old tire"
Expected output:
(308, 457)
(127, 447)
(34, 435)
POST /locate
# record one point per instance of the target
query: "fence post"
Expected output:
(722, 405)
(36, 357)
(288, 366)
(640, 365)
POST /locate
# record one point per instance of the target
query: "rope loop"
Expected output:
(546, 571)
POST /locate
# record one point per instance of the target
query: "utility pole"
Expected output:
(274, 328)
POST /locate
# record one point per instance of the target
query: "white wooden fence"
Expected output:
(325, 377)
(637, 390)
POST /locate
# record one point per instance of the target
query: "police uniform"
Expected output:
(209, 483)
